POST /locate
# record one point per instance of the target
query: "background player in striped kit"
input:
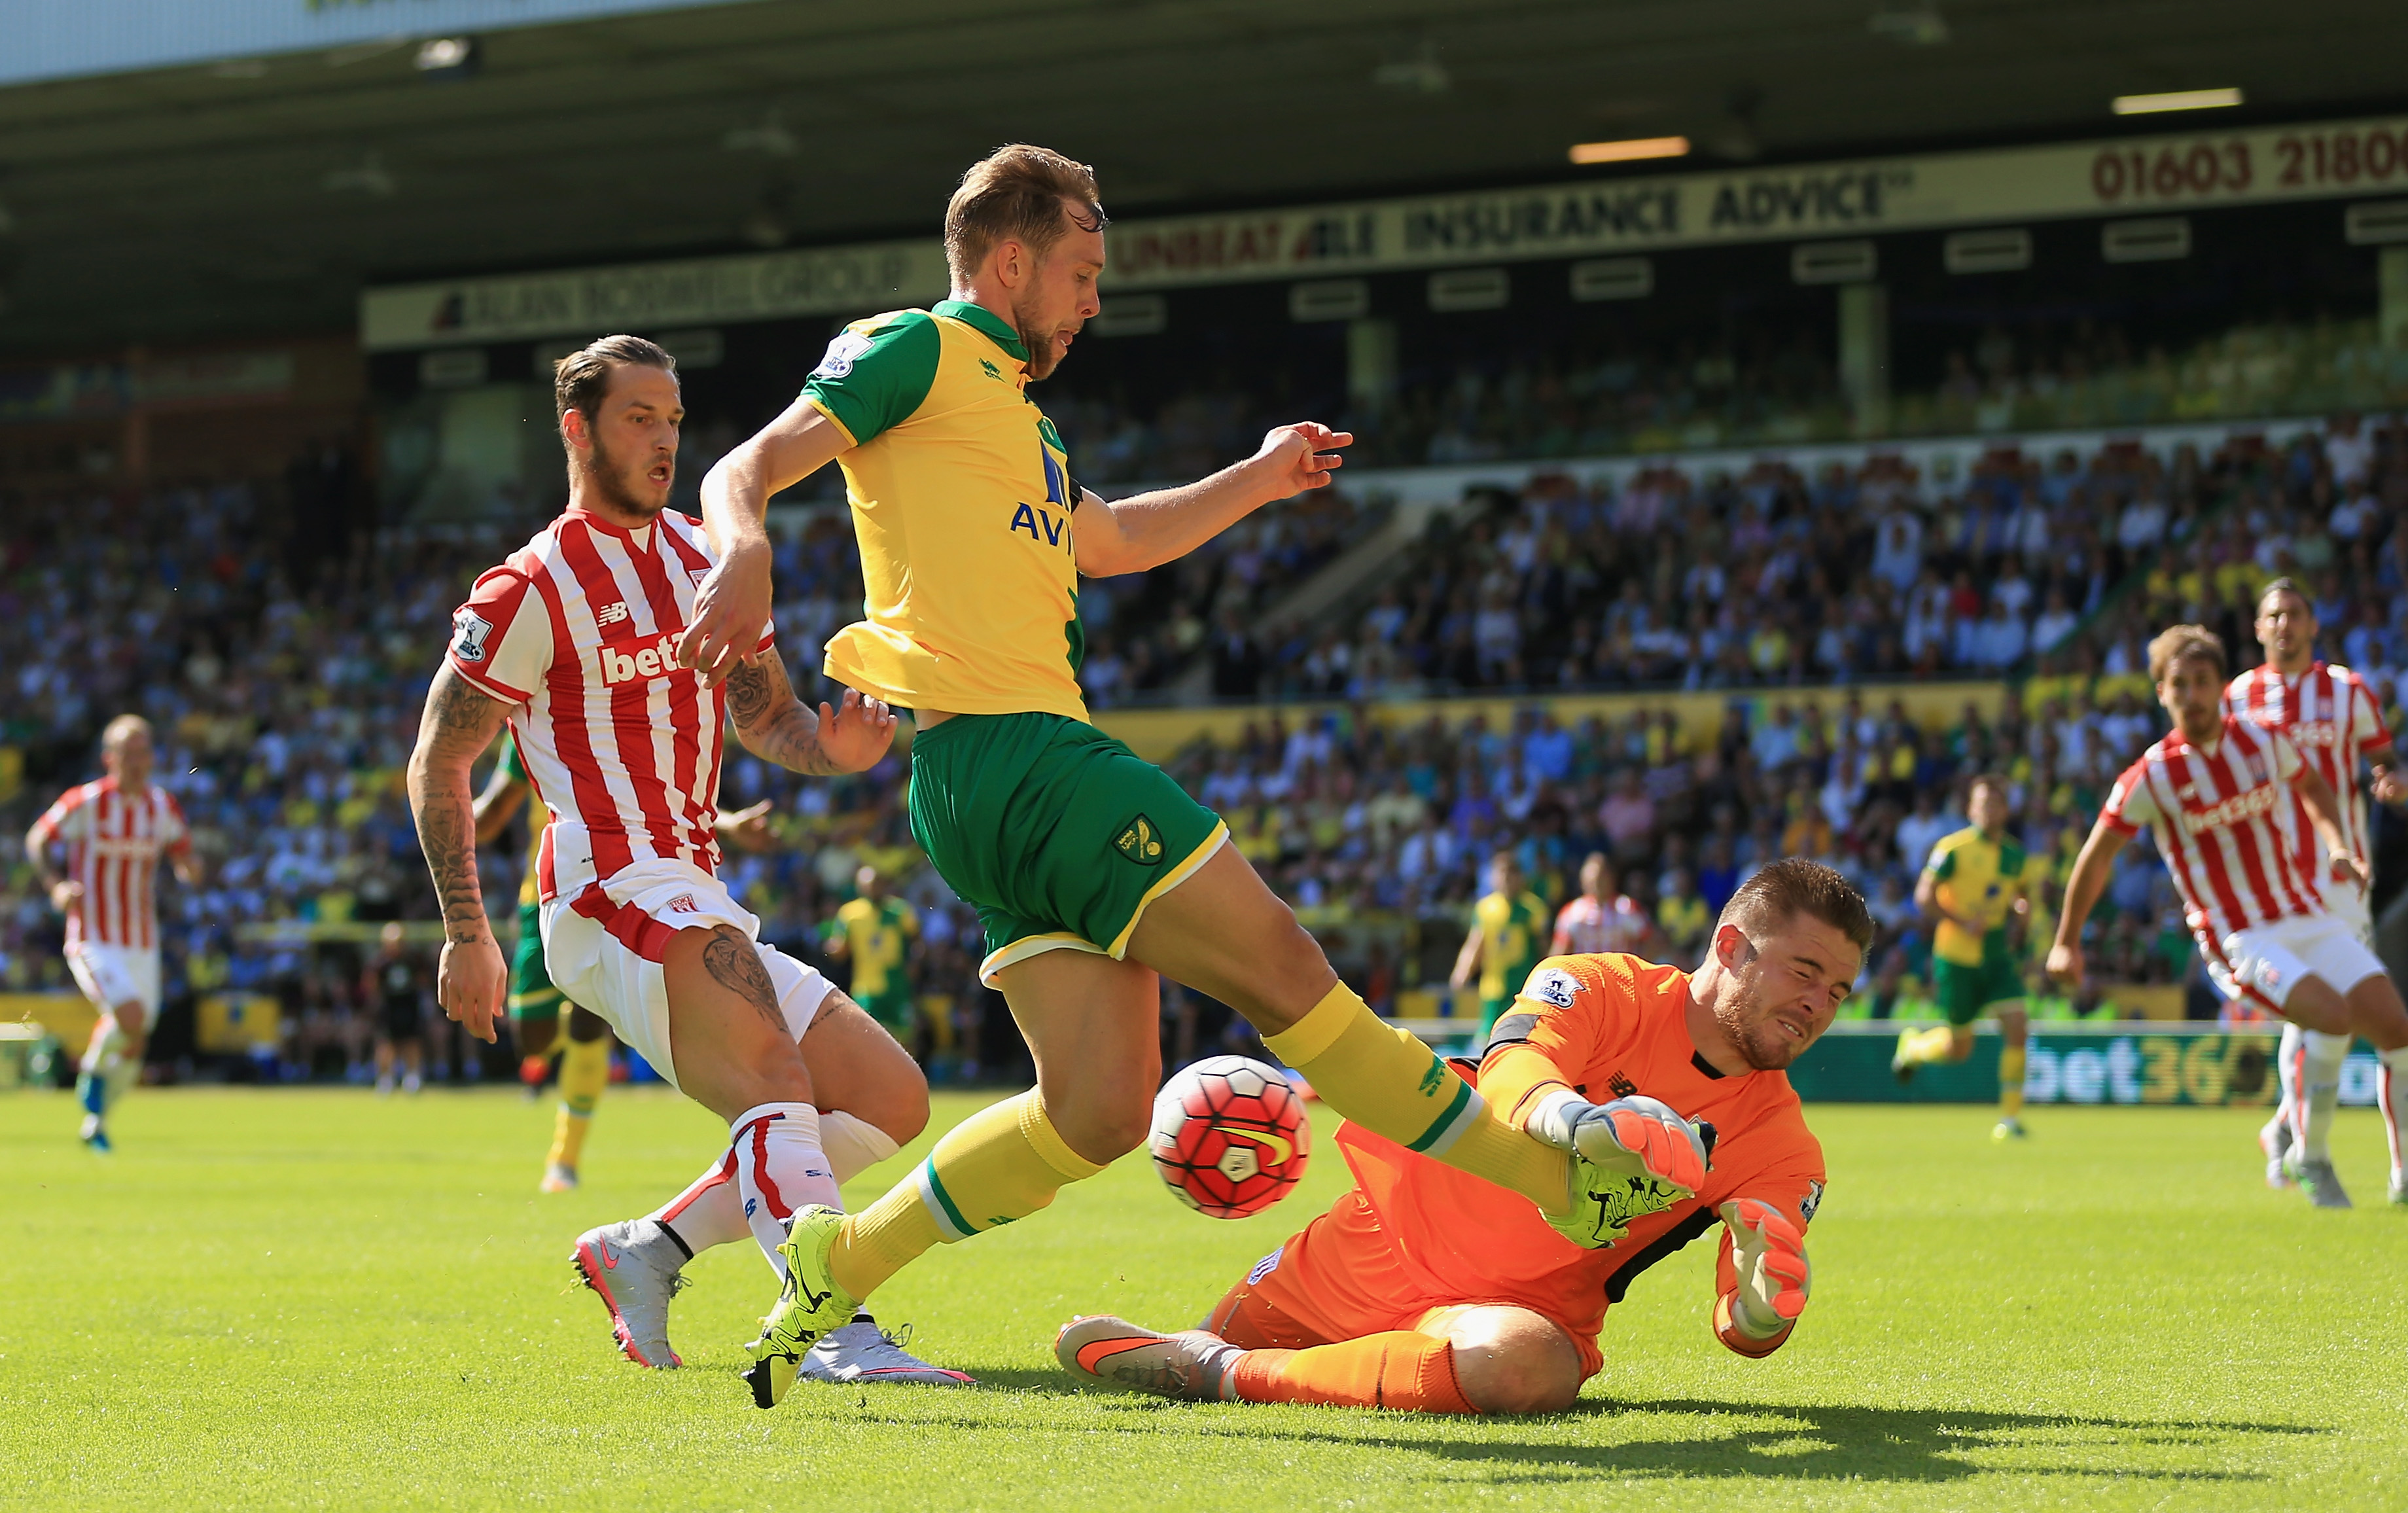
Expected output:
(114, 831)
(2329, 715)
(2213, 792)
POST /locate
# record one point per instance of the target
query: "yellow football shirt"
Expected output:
(961, 497)
(877, 938)
(1979, 878)
(1513, 932)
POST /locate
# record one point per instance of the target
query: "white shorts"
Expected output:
(2346, 903)
(2268, 961)
(604, 948)
(111, 974)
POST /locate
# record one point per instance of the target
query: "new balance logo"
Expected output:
(610, 614)
(991, 371)
(628, 667)
(1622, 1086)
(1433, 1079)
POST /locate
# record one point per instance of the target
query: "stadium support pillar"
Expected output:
(1864, 357)
(2393, 311)
(1370, 363)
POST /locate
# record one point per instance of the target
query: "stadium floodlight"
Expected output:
(2144, 104)
(1631, 149)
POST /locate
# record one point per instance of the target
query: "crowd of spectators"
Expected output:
(1773, 579)
(283, 668)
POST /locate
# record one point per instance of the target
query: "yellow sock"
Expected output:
(1387, 1081)
(1004, 1163)
(584, 1072)
(2011, 1082)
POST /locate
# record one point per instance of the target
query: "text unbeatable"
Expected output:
(1563, 220)
(1850, 198)
(620, 667)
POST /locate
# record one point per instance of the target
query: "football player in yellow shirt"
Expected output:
(1090, 868)
(1509, 934)
(1974, 883)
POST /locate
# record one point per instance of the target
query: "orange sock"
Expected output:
(1397, 1370)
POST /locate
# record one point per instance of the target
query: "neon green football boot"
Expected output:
(809, 1306)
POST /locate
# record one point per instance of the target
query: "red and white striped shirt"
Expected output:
(579, 630)
(2329, 714)
(2224, 819)
(114, 840)
(1591, 927)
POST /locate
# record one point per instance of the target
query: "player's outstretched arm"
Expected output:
(776, 727)
(2088, 880)
(733, 604)
(1151, 529)
(1764, 1276)
(457, 725)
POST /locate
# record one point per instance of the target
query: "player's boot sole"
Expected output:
(809, 1306)
(1192, 1367)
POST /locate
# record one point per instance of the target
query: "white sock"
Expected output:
(853, 1145)
(2389, 1097)
(709, 1212)
(780, 1170)
(2287, 1069)
(2321, 1055)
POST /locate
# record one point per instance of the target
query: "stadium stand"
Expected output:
(283, 664)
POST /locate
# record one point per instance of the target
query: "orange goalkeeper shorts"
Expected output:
(1337, 1280)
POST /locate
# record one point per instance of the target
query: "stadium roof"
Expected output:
(258, 193)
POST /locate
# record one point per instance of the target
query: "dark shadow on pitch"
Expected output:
(1810, 1443)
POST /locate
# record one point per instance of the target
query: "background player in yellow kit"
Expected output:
(875, 931)
(1972, 885)
(1508, 931)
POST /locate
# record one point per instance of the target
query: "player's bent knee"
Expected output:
(1524, 1378)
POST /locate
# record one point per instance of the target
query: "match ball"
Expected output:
(1230, 1136)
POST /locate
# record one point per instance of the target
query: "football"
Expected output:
(1230, 1136)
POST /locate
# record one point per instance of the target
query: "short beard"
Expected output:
(1042, 358)
(1764, 1049)
(603, 475)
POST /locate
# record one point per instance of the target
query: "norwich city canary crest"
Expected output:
(1140, 842)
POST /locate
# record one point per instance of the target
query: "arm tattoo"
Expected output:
(771, 722)
(459, 722)
(733, 962)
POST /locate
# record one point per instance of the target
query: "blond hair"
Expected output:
(1018, 193)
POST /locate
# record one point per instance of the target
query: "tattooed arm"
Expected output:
(457, 726)
(776, 727)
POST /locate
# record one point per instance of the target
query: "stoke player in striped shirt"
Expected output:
(113, 831)
(571, 641)
(2329, 715)
(2213, 793)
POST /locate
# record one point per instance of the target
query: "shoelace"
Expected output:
(899, 1337)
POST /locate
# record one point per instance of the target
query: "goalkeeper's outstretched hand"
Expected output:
(1774, 1275)
(1640, 1136)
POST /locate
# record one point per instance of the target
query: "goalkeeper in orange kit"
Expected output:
(1423, 1288)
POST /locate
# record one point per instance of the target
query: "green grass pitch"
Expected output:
(273, 1299)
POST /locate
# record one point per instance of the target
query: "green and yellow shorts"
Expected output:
(1964, 990)
(532, 995)
(1058, 834)
(892, 1009)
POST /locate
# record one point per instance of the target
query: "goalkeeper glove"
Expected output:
(1632, 1137)
(1774, 1277)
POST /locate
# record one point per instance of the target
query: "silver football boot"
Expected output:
(635, 1267)
(862, 1352)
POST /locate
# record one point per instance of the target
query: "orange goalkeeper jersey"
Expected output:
(1610, 1026)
